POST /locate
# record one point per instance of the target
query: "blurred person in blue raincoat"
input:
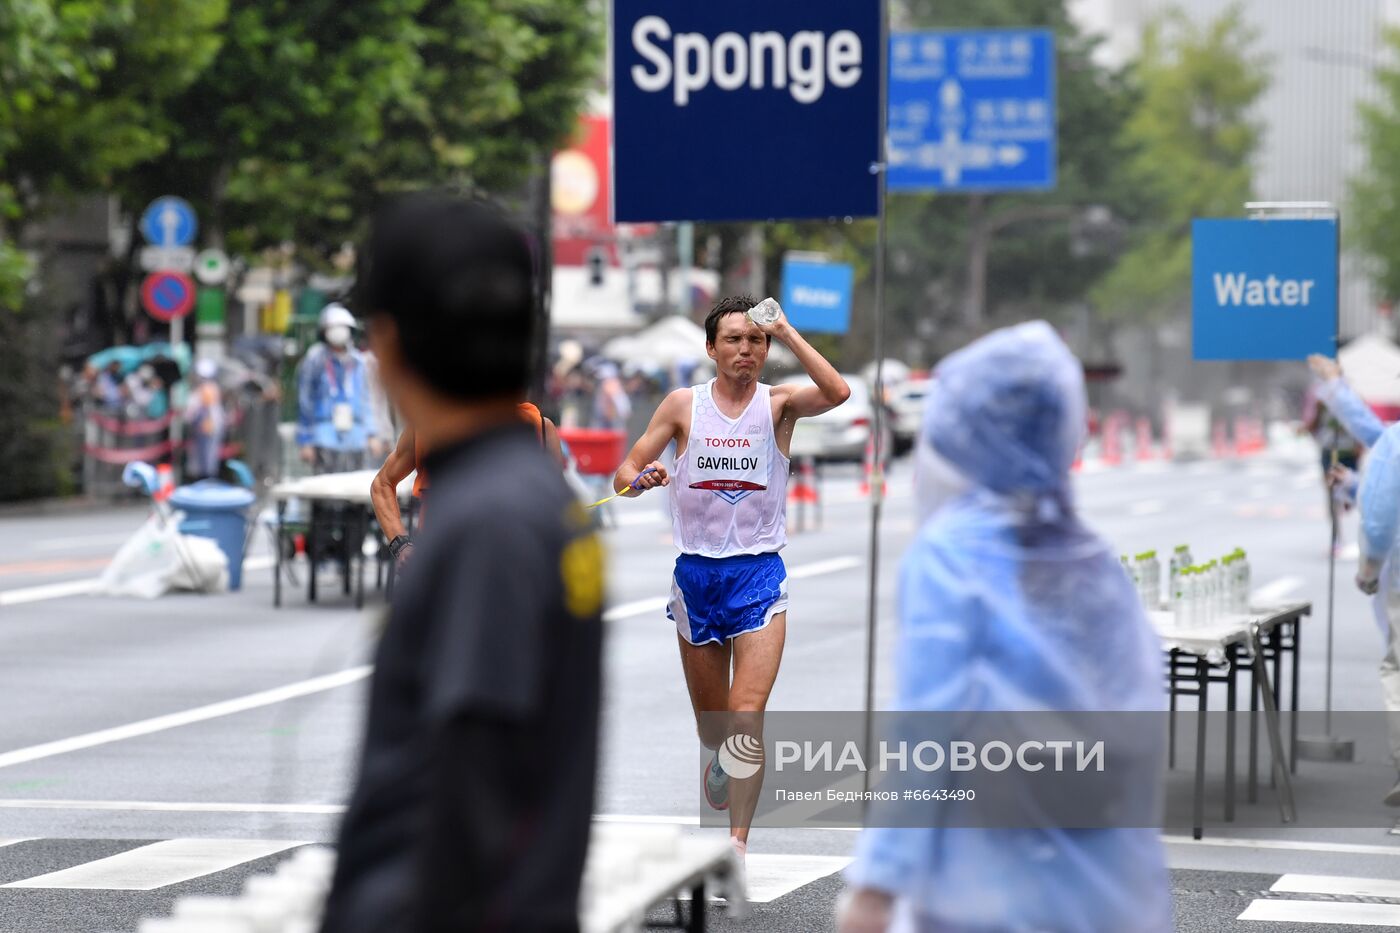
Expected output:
(335, 408)
(1008, 602)
(1378, 490)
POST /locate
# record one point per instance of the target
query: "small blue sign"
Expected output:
(736, 110)
(817, 296)
(972, 110)
(1263, 289)
(169, 221)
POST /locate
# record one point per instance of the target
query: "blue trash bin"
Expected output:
(217, 510)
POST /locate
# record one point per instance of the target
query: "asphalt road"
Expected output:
(129, 723)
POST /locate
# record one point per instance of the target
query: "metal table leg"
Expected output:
(313, 549)
(1171, 714)
(1287, 810)
(1253, 736)
(1295, 629)
(277, 555)
(361, 533)
(1233, 671)
(1198, 807)
(697, 908)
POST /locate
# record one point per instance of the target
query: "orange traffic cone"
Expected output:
(805, 487)
(165, 482)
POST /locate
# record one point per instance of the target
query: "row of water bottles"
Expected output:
(1196, 594)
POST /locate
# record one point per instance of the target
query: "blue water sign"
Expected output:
(817, 296)
(169, 221)
(1263, 289)
(972, 110)
(736, 110)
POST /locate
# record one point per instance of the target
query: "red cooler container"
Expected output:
(597, 452)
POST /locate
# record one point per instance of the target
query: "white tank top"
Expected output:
(729, 491)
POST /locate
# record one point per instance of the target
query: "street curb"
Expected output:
(37, 508)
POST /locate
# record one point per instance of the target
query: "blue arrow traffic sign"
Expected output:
(972, 110)
(169, 221)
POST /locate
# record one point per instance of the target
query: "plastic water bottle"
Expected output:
(1178, 595)
(1242, 581)
(1155, 577)
(765, 312)
(1191, 597)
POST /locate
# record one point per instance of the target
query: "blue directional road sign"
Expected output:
(817, 296)
(736, 110)
(1263, 289)
(169, 221)
(972, 111)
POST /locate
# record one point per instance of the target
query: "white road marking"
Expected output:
(663, 819)
(1338, 884)
(1148, 507)
(35, 594)
(1300, 845)
(1275, 590)
(1328, 912)
(1214, 497)
(158, 864)
(658, 603)
(769, 877)
(1305, 481)
(161, 806)
(79, 541)
(1260, 491)
(198, 714)
(10, 842)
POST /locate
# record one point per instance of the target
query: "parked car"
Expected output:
(840, 434)
(907, 402)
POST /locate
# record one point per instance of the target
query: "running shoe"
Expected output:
(716, 784)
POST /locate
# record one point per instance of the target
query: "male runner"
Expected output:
(729, 591)
(408, 455)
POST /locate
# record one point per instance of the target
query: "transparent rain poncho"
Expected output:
(1380, 488)
(1008, 602)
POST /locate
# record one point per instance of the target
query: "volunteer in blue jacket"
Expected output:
(335, 410)
(1008, 602)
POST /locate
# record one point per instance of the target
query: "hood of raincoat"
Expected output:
(1008, 411)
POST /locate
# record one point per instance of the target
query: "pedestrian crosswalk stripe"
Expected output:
(1329, 912)
(158, 864)
(1338, 884)
(10, 842)
(769, 877)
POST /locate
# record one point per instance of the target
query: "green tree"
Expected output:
(960, 264)
(1193, 140)
(82, 87)
(313, 110)
(1373, 213)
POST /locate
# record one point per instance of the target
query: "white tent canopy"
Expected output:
(673, 340)
(1371, 365)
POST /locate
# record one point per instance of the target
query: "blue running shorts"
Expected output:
(714, 599)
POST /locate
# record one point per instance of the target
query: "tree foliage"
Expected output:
(1373, 213)
(1192, 138)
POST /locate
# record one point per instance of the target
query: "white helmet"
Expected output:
(337, 315)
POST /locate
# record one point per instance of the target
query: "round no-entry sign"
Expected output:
(167, 295)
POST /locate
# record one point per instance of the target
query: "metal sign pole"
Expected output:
(877, 476)
(1325, 747)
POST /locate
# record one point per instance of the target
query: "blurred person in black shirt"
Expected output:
(475, 791)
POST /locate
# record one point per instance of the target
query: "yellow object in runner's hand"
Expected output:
(630, 487)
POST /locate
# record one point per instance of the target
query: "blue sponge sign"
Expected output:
(1263, 289)
(817, 296)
